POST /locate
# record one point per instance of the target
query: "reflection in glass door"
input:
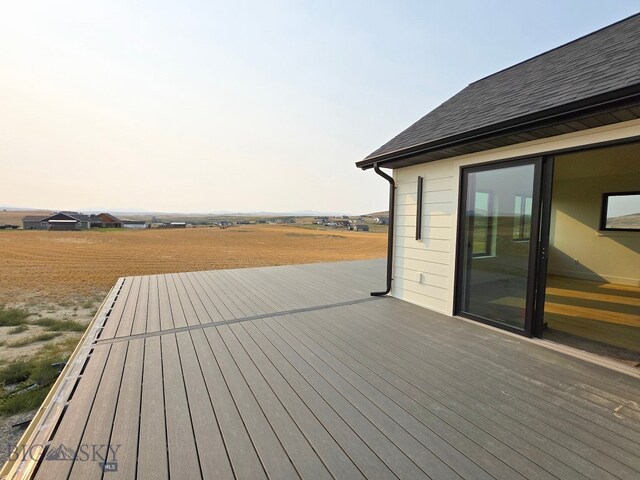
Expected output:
(496, 254)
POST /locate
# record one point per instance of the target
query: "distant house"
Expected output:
(84, 220)
(109, 221)
(134, 224)
(382, 220)
(343, 223)
(360, 227)
(64, 222)
(69, 221)
(94, 221)
(34, 222)
(178, 225)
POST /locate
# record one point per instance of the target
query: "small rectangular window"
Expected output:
(620, 211)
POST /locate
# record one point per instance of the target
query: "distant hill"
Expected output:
(625, 221)
(14, 217)
(140, 212)
(378, 214)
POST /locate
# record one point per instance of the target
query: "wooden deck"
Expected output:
(296, 372)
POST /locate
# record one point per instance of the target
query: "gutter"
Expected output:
(604, 103)
(392, 203)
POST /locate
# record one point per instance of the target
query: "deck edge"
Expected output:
(46, 417)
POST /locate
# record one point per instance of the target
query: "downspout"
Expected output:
(392, 203)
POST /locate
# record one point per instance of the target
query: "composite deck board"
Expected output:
(513, 427)
(296, 372)
(273, 456)
(126, 424)
(485, 351)
(239, 445)
(401, 464)
(152, 459)
(139, 321)
(526, 387)
(214, 461)
(166, 316)
(332, 455)
(68, 435)
(366, 460)
(135, 307)
(541, 422)
(115, 316)
(389, 422)
(475, 452)
(302, 455)
(97, 432)
(184, 461)
(209, 297)
(153, 309)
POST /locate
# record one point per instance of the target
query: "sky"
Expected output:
(202, 106)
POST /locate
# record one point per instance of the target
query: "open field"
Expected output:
(68, 266)
(14, 217)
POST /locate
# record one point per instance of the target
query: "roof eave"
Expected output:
(556, 115)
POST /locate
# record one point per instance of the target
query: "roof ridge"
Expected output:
(557, 48)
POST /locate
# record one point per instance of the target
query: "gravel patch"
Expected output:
(9, 435)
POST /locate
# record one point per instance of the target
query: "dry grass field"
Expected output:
(38, 266)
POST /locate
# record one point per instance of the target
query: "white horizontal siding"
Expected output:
(417, 253)
(434, 233)
(434, 254)
(442, 208)
(431, 268)
(436, 221)
(422, 268)
(424, 295)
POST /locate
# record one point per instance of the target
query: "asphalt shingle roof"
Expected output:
(601, 62)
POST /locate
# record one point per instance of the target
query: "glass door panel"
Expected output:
(495, 249)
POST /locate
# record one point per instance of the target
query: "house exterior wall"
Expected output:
(33, 225)
(424, 270)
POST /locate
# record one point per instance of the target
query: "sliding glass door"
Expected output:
(498, 242)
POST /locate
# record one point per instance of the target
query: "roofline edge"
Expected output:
(583, 106)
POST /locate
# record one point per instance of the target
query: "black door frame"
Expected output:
(543, 216)
(544, 221)
(536, 264)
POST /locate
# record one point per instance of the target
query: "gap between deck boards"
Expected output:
(109, 341)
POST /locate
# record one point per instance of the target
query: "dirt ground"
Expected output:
(39, 267)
